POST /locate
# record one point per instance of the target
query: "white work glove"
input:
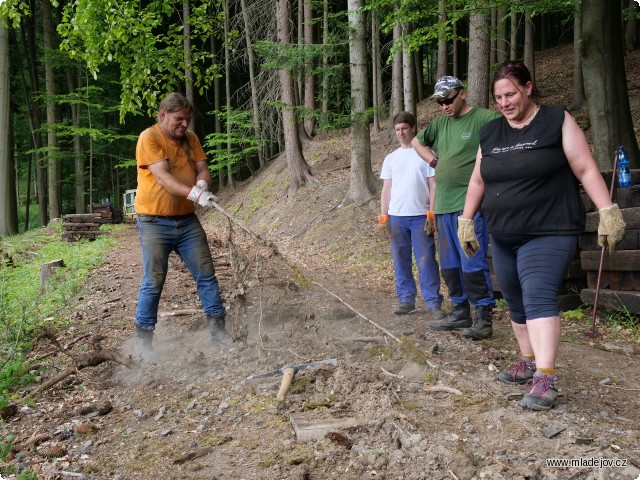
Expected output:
(202, 185)
(467, 236)
(194, 194)
(206, 199)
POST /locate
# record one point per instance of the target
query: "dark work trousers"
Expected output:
(467, 279)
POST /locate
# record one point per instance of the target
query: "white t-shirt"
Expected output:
(409, 188)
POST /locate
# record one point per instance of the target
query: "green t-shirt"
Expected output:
(456, 140)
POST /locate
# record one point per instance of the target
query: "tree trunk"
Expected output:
(408, 78)
(419, 75)
(479, 43)
(310, 80)
(325, 64)
(501, 33)
(53, 163)
(397, 99)
(631, 31)
(35, 115)
(605, 82)
(362, 185)
(299, 170)
(255, 105)
(78, 150)
(493, 48)
(456, 51)
(227, 74)
(217, 102)
(443, 51)
(513, 51)
(529, 59)
(376, 74)
(578, 84)
(188, 71)
(9, 210)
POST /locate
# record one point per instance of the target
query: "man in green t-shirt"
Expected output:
(455, 137)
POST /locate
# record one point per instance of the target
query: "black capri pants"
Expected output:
(530, 270)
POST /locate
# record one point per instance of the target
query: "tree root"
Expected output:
(97, 356)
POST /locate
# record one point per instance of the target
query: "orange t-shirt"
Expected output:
(153, 146)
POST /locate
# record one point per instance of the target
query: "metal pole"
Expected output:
(595, 301)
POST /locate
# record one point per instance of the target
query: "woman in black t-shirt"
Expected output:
(528, 169)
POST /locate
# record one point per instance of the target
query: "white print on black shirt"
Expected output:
(517, 146)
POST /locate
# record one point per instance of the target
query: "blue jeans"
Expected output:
(530, 270)
(467, 279)
(408, 233)
(159, 236)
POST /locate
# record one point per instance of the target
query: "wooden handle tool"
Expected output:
(287, 378)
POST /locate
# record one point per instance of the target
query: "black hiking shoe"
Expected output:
(144, 343)
(518, 373)
(436, 313)
(482, 327)
(404, 308)
(458, 319)
(543, 393)
(219, 335)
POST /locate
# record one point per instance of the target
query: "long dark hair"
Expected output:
(517, 73)
(172, 103)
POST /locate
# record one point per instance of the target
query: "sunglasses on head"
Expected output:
(448, 101)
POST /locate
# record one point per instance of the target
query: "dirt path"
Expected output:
(192, 414)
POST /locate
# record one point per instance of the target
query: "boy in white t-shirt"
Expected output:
(407, 193)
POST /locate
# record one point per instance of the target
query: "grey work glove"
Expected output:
(611, 227)
(467, 236)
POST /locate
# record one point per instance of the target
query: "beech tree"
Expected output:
(8, 211)
(362, 185)
(605, 82)
(299, 170)
(478, 78)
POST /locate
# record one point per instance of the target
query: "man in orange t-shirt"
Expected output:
(173, 178)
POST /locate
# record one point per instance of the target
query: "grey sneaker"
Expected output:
(404, 308)
(543, 393)
(518, 373)
(436, 313)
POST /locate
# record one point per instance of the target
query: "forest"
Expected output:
(80, 80)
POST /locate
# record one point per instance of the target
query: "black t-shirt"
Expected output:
(529, 186)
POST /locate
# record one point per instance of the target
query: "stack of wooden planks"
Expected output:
(78, 226)
(620, 280)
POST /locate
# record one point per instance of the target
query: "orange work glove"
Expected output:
(384, 228)
(430, 224)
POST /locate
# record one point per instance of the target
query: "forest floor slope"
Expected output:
(320, 286)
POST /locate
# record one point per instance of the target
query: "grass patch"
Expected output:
(25, 305)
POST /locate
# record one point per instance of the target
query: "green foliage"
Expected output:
(623, 318)
(577, 314)
(25, 305)
(144, 40)
(502, 303)
(242, 140)
(5, 447)
(11, 11)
